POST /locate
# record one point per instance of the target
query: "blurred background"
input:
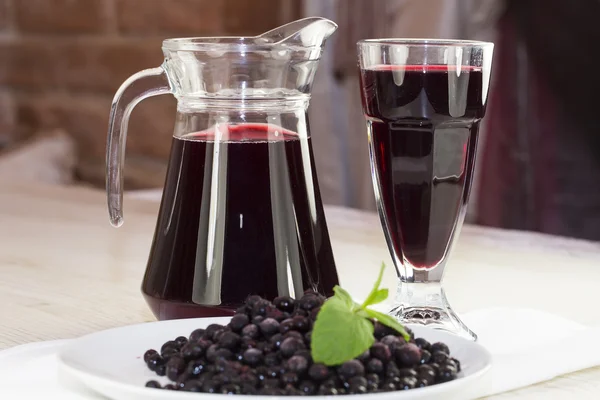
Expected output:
(61, 62)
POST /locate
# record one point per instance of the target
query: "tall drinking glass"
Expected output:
(423, 101)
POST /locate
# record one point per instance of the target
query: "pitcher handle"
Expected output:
(140, 86)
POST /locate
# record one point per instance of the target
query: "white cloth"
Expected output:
(528, 346)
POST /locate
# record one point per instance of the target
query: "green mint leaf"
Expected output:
(389, 321)
(339, 334)
(375, 296)
(378, 296)
(343, 295)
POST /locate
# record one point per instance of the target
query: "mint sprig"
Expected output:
(343, 329)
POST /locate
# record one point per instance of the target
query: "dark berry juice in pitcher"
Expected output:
(241, 214)
(423, 122)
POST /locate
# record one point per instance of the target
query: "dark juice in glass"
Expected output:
(240, 215)
(423, 122)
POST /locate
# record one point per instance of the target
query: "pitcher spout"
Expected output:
(306, 32)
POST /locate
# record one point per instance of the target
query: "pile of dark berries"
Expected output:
(265, 350)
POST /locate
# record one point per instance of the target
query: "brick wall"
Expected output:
(62, 60)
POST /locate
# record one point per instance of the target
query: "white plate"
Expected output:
(110, 363)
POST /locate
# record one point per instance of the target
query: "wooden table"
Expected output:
(65, 272)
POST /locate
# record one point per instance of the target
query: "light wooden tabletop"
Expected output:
(65, 272)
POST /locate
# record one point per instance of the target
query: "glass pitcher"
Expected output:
(241, 211)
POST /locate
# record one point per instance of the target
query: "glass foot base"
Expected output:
(426, 304)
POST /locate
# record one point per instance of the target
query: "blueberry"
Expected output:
(181, 341)
(375, 366)
(260, 309)
(290, 345)
(273, 372)
(297, 364)
(392, 341)
(350, 369)
(154, 361)
(327, 391)
(427, 373)
(406, 383)
(392, 370)
(242, 310)
(407, 372)
(307, 388)
(161, 370)
(262, 373)
(408, 355)
(425, 357)
(304, 353)
(229, 340)
(364, 357)
(204, 343)
(252, 300)
(387, 387)
(217, 335)
(372, 387)
(439, 346)
(276, 340)
(457, 363)
(308, 337)
(372, 379)
(210, 386)
(169, 352)
(308, 302)
(299, 312)
(193, 385)
(271, 383)
(357, 381)
(289, 378)
(153, 384)
(301, 324)
(249, 389)
(276, 314)
(270, 391)
(248, 343)
(175, 366)
(269, 326)
(238, 322)
(181, 380)
(171, 344)
(286, 325)
(249, 378)
(272, 359)
(196, 335)
(231, 388)
(211, 330)
(192, 351)
(252, 357)
(251, 331)
(422, 383)
(257, 320)
(422, 343)
(451, 363)
(446, 373)
(290, 390)
(318, 372)
(284, 303)
(381, 352)
(380, 330)
(195, 367)
(439, 357)
(314, 313)
(223, 354)
(294, 334)
(149, 353)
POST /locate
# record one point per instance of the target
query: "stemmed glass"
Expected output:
(423, 101)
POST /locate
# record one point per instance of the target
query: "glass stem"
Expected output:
(420, 300)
